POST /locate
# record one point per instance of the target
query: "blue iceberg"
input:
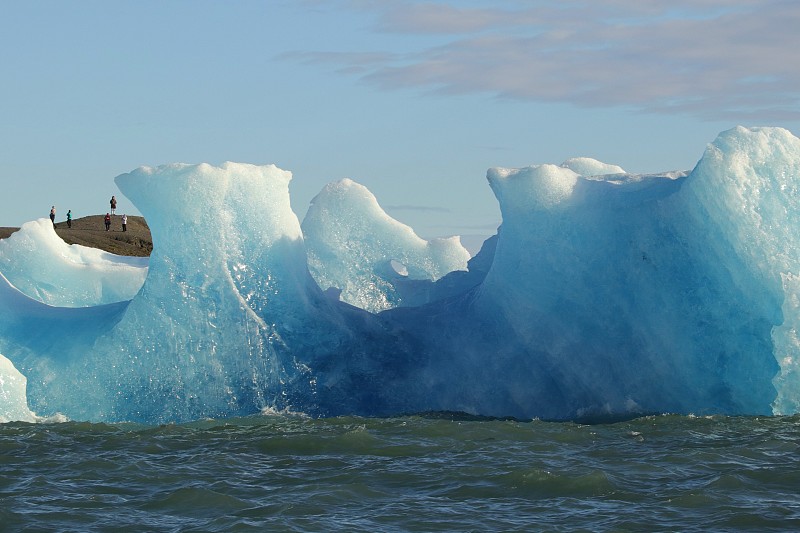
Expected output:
(603, 294)
(368, 258)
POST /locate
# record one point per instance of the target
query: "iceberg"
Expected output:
(603, 294)
(13, 401)
(41, 265)
(373, 260)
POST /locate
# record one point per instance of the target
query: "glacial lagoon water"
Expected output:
(438, 472)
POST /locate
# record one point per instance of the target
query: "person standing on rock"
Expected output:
(53, 216)
(69, 218)
(113, 205)
(124, 222)
(108, 221)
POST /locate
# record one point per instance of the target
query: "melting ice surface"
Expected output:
(38, 263)
(603, 294)
(355, 247)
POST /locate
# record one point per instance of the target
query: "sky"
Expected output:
(414, 100)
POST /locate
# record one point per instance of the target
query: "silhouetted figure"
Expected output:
(113, 205)
(69, 218)
(108, 221)
(53, 216)
(124, 222)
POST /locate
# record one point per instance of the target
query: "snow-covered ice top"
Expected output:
(603, 294)
(586, 166)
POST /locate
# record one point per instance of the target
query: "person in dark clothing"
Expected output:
(69, 218)
(108, 221)
(53, 216)
(113, 205)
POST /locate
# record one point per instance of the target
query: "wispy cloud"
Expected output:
(444, 18)
(420, 208)
(715, 59)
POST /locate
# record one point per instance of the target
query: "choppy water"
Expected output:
(291, 473)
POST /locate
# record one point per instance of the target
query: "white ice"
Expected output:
(38, 263)
(13, 401)
(355, 247)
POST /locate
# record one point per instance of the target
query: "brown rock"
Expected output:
(91, 231)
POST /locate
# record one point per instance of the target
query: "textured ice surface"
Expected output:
(586, 166)
(354, 246)
(603, 294)
(38, 263)
(13, 402)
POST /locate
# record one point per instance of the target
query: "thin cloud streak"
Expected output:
(419, 208)
(712, 59)
(441, 18)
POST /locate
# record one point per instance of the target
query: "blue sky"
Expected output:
(414, 100)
